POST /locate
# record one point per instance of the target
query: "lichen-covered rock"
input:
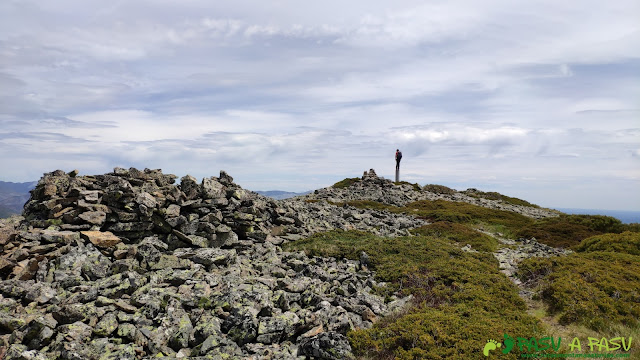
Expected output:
(107, 325)
(128, 265)
(327, 345)
(189, 186)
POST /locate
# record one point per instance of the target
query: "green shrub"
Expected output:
(569, 230)
(627, 242)
(455, 212)
(594, 289)
(460, 212)
(556, 232)
(533, 270)
(492, 195)
(451, 331)
(516, 201)
(601, 223)
(460, 299)
(459, 233)
(345, 183)
(439, 189)
(633, 227)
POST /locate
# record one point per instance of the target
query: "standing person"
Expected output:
(398, 158)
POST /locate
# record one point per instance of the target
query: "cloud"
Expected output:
(38, 136)
(302, 95)
(461, 134)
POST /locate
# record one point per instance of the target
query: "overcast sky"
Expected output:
(535, 99)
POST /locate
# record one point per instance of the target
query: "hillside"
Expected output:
(131, 265)
(13, 196)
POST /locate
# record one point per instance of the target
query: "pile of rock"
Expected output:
(375, 188)
(518, 250)
(128, 265)
(134, 204)
(301, 218)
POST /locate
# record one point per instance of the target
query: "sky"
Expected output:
(534, 99)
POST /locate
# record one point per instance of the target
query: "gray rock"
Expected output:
(241, 328)
(147, 200)
(96, 266)
(126, 331)
(61, 237)
(181, 332)
(94, 217)
(10, 323)
(172, 211)
(189, 186)
(20, 352)
(212, 256)
(107, 325)
(40, 292)
(212, 189)
(75, 332)
(273, 329)
(327, 345)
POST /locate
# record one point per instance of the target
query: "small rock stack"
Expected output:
(128, 265)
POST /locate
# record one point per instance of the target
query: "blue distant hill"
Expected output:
(627, 217)
(279, 194)
(13, 196)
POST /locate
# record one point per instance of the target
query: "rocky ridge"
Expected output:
(129, 265)
(375, 188)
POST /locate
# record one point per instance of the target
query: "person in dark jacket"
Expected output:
(398, 158)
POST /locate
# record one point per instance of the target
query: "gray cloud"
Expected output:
(293, 96)
(39, 136)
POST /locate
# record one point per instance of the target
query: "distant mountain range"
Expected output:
(13, 196)
(279, 194)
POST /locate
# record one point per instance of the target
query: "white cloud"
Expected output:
(462, 134)
(496, 92)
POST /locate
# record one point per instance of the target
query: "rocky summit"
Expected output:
(132, 265)
(375, 188)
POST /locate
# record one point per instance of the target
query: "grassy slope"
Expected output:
(462, 298)
(563, 231)
(598, 286)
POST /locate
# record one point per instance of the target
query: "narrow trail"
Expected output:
(514, 251)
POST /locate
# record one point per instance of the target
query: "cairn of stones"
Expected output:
(130, 265)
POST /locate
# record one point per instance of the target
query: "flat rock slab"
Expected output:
(101, 239)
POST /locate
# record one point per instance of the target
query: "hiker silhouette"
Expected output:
(398, 158)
